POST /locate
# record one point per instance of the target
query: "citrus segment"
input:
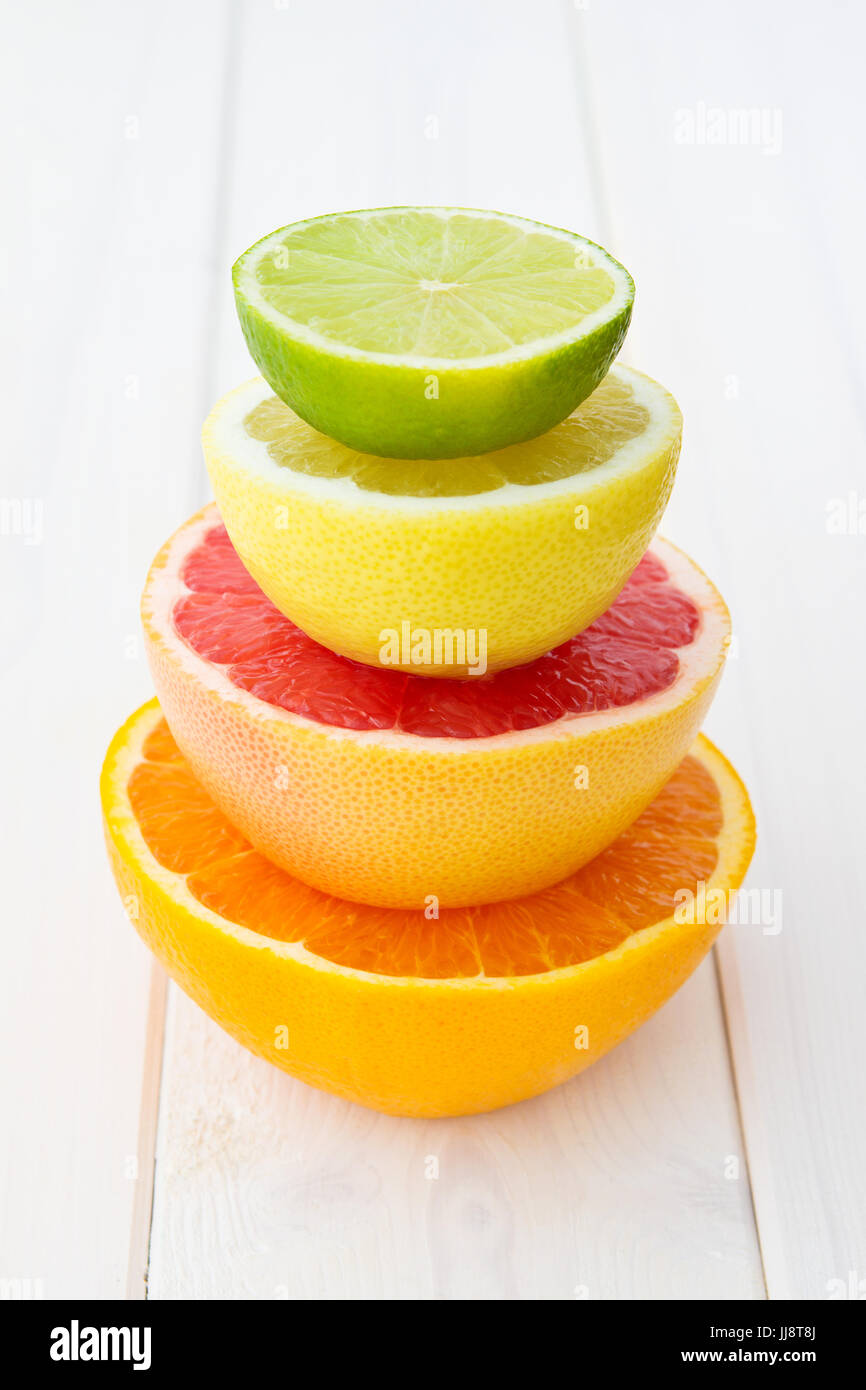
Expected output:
(526, 545)
(431, 332)
(477, 1009)
(161, 794)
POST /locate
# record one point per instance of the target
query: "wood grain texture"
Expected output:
(612, 1187)
(719, 155)
(629, 1181)
(745, 247)
(108, 125)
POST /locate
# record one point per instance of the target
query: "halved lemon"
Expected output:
(420, 332)
(520, 548)
(400, 1010)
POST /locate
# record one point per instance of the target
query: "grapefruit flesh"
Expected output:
(395, 790)
(626, 655)
(474, 1010)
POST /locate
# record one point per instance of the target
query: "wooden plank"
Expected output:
(628, 1182)
(110, 135)
(615, 1185)
(729, 158)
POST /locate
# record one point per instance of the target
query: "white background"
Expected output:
(144, 147)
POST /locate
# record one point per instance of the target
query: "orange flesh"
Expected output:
(671, 847)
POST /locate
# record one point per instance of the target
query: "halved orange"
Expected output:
(399, 1009)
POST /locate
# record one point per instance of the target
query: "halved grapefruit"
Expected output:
(400, 790)
(480, 1008)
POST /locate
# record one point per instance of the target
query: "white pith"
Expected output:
(697, 662)
(123, 826)
(596, 254)
(224, 434)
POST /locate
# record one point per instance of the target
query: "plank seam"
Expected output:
(225, 170)
(588, 126)
(142, 1211)
(140, 1246)
(595, 164)
(764, 1209)
(719, 973)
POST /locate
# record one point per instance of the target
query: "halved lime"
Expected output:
(431, 332)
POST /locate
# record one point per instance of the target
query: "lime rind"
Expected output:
(409, 405)
(602, 425)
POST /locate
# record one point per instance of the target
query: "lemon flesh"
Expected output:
(587, 438)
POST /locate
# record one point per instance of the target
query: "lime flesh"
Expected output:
(431, 332)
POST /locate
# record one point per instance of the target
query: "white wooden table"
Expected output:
(719, 151)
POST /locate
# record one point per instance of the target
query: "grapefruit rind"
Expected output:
(530, 565)
(394, 819)
(401, 1045)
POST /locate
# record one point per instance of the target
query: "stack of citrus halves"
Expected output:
(419, 816)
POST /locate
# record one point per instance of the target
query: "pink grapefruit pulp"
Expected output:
(626, 655)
